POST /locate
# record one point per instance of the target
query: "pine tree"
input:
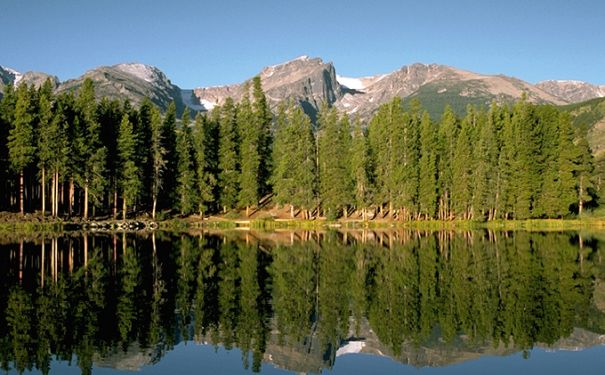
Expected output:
(427, 168)
(204, 155)
(448, 135)
(546, 204)
(167, 193)
(7, 114)
(264, 118)
(21, 145)
(228, 180)
(45, 147)
(294, 175)
(90, 153)
(361, 169)
(380, 151)
(568, 157)
(158, 157)
(109, 116)
(186, 172)
(334, 143)
(584, 174)
(525, 168)
(130, 176)
(485, 154)
(462, 167)
(249, 130)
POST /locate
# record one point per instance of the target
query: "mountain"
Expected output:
(436, 86)
(130, 81)
(123, 81)
(310, 81)
(590, 116)
(307, 81)
(572, 91)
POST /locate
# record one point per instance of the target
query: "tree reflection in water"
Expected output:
(294, 299)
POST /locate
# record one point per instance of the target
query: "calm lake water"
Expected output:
(359, 302)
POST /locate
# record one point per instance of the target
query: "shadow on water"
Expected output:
(297, 299)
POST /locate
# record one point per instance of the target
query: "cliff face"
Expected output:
(306, 81)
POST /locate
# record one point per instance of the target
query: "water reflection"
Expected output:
(296, 299)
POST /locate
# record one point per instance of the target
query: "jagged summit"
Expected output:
(145, 72)
(572, 91)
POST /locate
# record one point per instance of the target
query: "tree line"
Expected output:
(73, 155)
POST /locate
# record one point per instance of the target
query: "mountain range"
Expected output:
(311, 81)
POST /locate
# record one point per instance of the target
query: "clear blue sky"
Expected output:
(201, 43)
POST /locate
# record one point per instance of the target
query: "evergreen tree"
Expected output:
(7, 113)
(21, 145)
(485, 154)
(427, 168)
(361, 169)
(448, 135)
(294, 174)
(204, 160)
(167, 193)
(228, 180)
(526, 167)
(158, 157)
(334, 143)
(568, 157)
(186, 172)
(263, 118)
(249, 130)
(584, 174)
(462, 168)
(109, 116)
(45, 147)
(130, 176)
(91, 154)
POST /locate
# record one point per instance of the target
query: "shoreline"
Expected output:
(36, 224)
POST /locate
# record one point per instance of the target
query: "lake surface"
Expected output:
(353, 302)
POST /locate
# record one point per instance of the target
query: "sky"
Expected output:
(206, 43)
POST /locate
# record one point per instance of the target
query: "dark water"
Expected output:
(355, 303)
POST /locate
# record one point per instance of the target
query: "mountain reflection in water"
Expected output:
(297, 300)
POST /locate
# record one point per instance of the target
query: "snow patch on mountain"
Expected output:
(351, 347)
(207, 104)
(351, 83)
(142, 71)
(17, 76)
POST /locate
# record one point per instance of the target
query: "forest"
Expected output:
(74, 155)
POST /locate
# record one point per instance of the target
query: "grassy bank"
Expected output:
(35, 225)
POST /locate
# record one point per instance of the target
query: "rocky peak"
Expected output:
(308, 81)
(572, 91)
(131, 81)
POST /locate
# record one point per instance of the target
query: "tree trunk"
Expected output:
(292, 211)
(71, 195)
(115, 202)
(247, 211)
(124, 208)
(581, 190)
(21, 193)
(43, 192)
(86, 201)
(155, 203)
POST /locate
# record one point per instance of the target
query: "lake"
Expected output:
(341, 302)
